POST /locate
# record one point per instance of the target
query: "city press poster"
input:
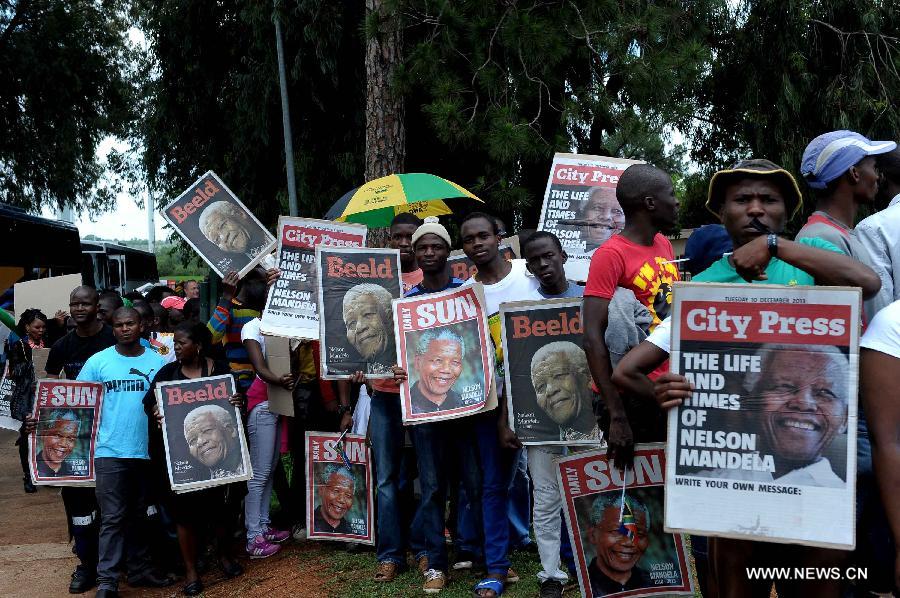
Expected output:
(356, 322)
(62, 447)
(548, 383)
(580, 206)
(339, 493)
(615, 525)
(203, 433)
(771, 426)
(210, 217)
(444, 344)
(292, 306)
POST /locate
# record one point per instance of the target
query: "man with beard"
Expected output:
(562, 384)
(230, 229)
(335, 500)
(213, 440)
(618, 545)
(367, 316)
(750, 197)
(58, 440)
(602, 217)
(438, 363)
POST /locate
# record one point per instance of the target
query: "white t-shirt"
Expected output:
(251, 331)
(662, 335)
(883, 332)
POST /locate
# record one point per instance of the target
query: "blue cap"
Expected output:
(830, 155)
(706, 245)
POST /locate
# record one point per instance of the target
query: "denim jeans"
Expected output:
(264, 438)
(496, 469)
(519, 505)
(441, 446)
(386, 433)
(874, 545)
(120, 495)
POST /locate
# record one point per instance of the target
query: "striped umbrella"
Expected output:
(377, 202)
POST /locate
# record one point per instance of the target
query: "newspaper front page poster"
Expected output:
(62, 446)
(339, 492)
(616, 526)
(356, 320)
(548, 384)
(203, 433)
(580, 206)
(292, 306)
(219, 227)
(767, 442)
(444, 344)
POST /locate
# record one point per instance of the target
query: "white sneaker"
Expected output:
(435, 581)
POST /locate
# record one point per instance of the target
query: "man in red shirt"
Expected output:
(639, 259)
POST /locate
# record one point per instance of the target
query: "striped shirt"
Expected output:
(225, 325)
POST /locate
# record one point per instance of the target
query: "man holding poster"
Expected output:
(219, 227)
(750, 198)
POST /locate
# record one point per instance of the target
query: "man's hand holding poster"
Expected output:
(219, 227)
(444, 344)
(339, 493)
(580, 206)
(771, 426)
(548, 384)
(357, 326)
(292, 307)
(616, 528)
(62, 446)
(203, 433)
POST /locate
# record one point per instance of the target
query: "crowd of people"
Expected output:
(475, 478)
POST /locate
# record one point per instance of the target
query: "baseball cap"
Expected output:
(432, 225)
(830, 155)
(754, 168)
(173, 301)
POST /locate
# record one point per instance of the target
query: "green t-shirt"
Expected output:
(778, 272)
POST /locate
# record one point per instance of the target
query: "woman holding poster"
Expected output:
(192, 509)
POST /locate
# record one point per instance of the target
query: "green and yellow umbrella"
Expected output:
(377, 202)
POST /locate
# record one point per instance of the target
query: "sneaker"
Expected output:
(260, 548)
(435, 581)
(422, 564)
(551, 589)
(465, 560)
(298, 532)
(82, 580)
(276, 536)
(386, 571)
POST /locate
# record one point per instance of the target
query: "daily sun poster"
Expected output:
(771, 426)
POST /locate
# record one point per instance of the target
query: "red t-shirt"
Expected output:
(647, 271)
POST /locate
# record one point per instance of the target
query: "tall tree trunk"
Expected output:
(385, 130)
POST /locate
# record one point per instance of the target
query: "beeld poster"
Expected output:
(292, 306)
(580, 206)
(771, 426)
(203, 433)
(356, 322)
(548, 384)
(446, 349)
(339, 492)
(463, 268)
(62, 447)
(210, 217)
(615, 525)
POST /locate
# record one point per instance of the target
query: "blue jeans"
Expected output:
(264, 438)
(441, 446)
(519, 505)
(387, 434)
(495, 472)
(874, 546)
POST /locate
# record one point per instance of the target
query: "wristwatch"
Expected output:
(772, 244)
(342, 409)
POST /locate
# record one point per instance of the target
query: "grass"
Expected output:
(352, 575)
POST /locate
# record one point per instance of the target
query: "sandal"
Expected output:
(491, 584)
(386, 571)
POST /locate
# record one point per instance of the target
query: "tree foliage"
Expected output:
(65, 86)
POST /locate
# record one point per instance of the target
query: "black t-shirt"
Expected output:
(71, 351)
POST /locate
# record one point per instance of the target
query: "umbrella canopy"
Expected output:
(377, 202)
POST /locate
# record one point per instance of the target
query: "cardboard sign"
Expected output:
(580, 206)
(219, 227)
(278, 358)
(46, 294)
(616, 528)
(771, 426)
(356, 322)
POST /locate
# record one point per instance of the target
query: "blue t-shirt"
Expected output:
(123, 423)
